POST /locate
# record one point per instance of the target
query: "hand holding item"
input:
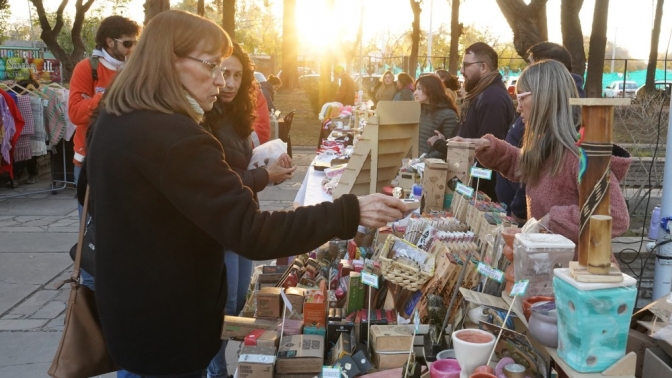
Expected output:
(285, 161)
(277, 173)
(481, 143)
(376, 210)
(436, 137)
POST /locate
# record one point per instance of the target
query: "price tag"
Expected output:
(416, 321)
(45, 102)
(286, 300)
(464, 190)
(519, 288)
(370, 279)
(331, 372)
(481, 173)
(490, 272)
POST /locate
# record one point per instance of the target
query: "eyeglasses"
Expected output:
(465, 65)
(127, 44)
(214, 67)
(521, 96)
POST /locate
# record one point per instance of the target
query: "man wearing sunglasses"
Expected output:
(115, 40)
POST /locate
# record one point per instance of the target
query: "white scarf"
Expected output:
(112, 63)
(194, 105)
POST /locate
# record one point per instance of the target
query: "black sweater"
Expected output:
(166, 206)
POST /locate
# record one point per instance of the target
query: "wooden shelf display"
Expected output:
(390, 136)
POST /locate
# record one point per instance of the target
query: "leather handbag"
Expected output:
(81, 352)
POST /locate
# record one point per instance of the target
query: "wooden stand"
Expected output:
(391, 135)
(598, 122)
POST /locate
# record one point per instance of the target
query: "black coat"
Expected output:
(441, 118)
(166, 207)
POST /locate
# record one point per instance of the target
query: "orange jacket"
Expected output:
(84, 97)
(262, 125)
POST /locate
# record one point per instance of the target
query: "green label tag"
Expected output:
(464, 190)
(370, 279)
(490, 272)
(481, 173)
(519, 288)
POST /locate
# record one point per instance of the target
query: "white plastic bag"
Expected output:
(268, 151)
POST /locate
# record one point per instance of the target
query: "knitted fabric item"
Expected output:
(22, 149)
(70, 127)
(55, 117)
(38, 140)
(10, 129)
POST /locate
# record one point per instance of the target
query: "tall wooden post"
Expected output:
(598, 125)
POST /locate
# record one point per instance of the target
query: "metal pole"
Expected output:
(429, 41)
(662, 276)
(361, 44)
(32, 31)
(613, 51)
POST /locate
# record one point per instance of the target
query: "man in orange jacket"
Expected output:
(115, 40)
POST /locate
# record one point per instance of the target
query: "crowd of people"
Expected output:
(164, 146)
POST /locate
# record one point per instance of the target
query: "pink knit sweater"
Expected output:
(558, 195)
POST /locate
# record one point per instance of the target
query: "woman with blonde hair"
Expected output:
(548, 162)
(387, 89)
(166, 205)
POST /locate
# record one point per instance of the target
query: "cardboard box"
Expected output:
(434, 184)
(391, 338)
(312, 330)
(274, 269)
(262, 338)
(334, 330)
(344, 346)
(407, 180)
(260, 350)
(362, 361)
(255, 366)
(656, 364)
(272, 278)
(239, 327)
(295, 296)
(269, 303)
(315, 313)
(355, 293)
(639, 342)
(388, 360)
(348, 367)
(300, 354)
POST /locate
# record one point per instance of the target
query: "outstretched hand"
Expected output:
(280, 169)
(435, 137)
(376, 210)
(481, 143)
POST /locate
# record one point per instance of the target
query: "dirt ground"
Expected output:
(305, 127)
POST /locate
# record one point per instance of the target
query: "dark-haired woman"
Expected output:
(404, 87)
(438, 114)
(269, 87)
(231, 121)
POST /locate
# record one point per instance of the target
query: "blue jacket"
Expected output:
(511, 193)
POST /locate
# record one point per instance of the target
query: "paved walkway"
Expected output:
(36, 233)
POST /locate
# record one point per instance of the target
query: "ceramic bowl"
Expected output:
(528, 302)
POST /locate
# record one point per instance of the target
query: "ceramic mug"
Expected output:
(472, 349)
(447, 368)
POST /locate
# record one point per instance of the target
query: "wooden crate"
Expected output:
(390, 136)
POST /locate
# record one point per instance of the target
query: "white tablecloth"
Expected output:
(311, 192)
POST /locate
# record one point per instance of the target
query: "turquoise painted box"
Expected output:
(593, 320)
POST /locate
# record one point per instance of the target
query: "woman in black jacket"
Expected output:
(166, 205)
(438, 114)
(231, 121)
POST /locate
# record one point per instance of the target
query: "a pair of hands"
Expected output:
(481, 143)
(280, 169)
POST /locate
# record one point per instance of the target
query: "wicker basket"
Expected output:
(404, 275)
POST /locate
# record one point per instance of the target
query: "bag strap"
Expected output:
(74, 278)
(94, 67)
(82, 225)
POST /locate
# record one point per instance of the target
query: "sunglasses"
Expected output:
(127, 44)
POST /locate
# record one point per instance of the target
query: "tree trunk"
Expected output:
(200, 8)
(653, 54)
(528, 22)
(229, 17)
(154, 7)
(49, 35)
(572, 36)
(289, 43)
(598, 43)
(415, 38)
(455, 33)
